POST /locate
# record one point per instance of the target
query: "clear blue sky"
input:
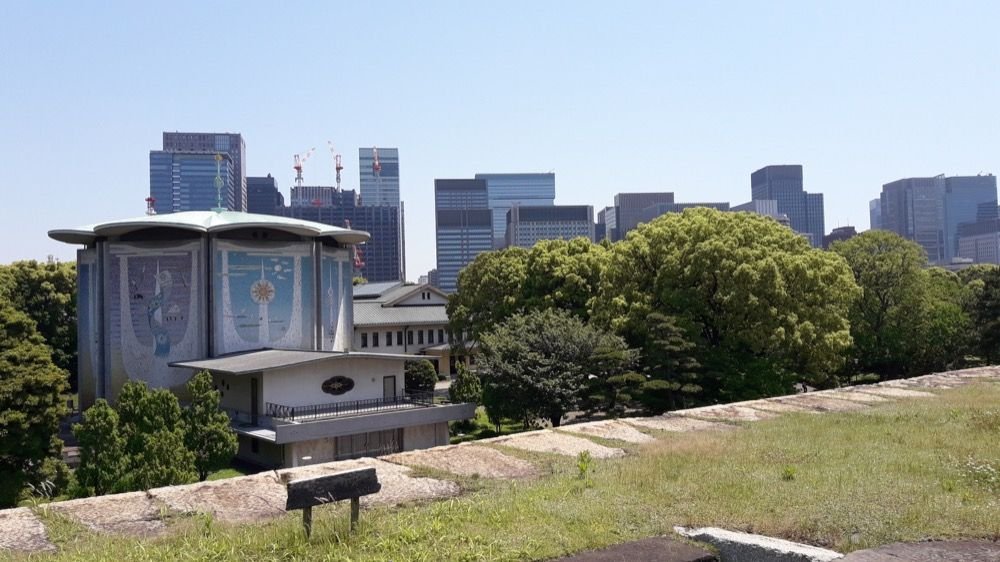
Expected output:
(613, 96)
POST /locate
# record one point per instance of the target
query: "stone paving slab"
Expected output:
(779, 407)
(133, 513)
(727, 412)
(823, 403)
(678, 424)
(233, 500)
(609, 429)
(547, 441)
(468, 460)
(854, 396)
(397, 484)
(21, 530)
(895, 392)
(737, 546)
(943, 551)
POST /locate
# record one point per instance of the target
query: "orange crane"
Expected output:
(337, 166)
(359, 255)
(300, 159)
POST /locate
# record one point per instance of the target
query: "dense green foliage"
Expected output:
(539, 364)
(46, 292)
(208, 433)
(152, 424)
(728, 306)
(32, 403)
(466, 386)
(102, 450)
(419, 376)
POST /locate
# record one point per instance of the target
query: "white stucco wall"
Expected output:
(235, 391)
(302, 385)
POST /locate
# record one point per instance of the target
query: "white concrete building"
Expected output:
(263, 303)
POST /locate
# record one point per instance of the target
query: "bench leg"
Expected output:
(307, 520)
(355, 508)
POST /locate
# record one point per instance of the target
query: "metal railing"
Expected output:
(246, 419)
(348, 408)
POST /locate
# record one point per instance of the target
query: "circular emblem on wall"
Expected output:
(262, 291)
(337, 385)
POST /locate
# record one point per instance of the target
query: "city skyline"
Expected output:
(646, 97)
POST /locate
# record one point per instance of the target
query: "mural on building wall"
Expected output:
(88, 335)
(263, 296)
(336, 299)
(155, 312)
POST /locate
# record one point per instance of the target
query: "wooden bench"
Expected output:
(351, 484)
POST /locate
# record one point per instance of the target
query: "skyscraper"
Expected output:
(381, 188)
(629, 209)
(607, 226)
(263, 196)
(527, 225)
(506, 190)
(230, 144)
(929, 211)
(185, 181)
(875, 214)
(784, 185)
(463, 225)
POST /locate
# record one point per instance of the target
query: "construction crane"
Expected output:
(359, 256)
(337, 166)
(300, 159)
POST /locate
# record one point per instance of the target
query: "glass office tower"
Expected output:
(506, 190)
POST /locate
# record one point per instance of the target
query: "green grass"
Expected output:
(227, 473)
(483, 428)
(906, 471)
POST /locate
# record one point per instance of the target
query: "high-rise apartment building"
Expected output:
(229, 144)
(381, 187)
(506, 190)
(629, 209)
(784, 185)
(463, 226)
(526, 225)
(263, 196)
(185, 181)
(929, 211)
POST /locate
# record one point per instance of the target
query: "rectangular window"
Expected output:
(430, 336)
(440, 336)
(420, 337)
(388, 339)
(409, 337)
(364, 339)
(399, 338)
(374, 339)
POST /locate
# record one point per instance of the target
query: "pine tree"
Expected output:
(102, 450)
(208, 432)
(31, 403)
(466, 387)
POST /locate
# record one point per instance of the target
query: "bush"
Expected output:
(420, 376)
(466, 387)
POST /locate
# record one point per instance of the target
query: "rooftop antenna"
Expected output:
(150, 208)
(218, 184)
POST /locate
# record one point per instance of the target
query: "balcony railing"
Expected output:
(348, 408)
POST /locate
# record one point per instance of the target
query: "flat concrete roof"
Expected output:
(208, 222)
(270, 359)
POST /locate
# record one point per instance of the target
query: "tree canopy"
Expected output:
(207, 430)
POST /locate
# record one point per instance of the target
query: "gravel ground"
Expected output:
(547, 441)
(724, 412)
(468, 460)
(609, 429)
(397, 485)
(134, 513)
(235, 500)
(21, 530)
(678, 424)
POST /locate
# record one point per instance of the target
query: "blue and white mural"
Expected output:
(337, 308)
(263, 296)
(155, 312)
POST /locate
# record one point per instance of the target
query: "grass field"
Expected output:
(906, 471)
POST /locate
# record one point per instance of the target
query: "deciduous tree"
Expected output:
(489, 291)
(466, 386)
(152, 426)
(103, 459)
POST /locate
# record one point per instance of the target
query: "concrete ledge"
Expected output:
(741, 547)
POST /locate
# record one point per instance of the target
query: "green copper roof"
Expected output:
(208, 221)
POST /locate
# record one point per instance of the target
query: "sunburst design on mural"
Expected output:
(262, 291)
